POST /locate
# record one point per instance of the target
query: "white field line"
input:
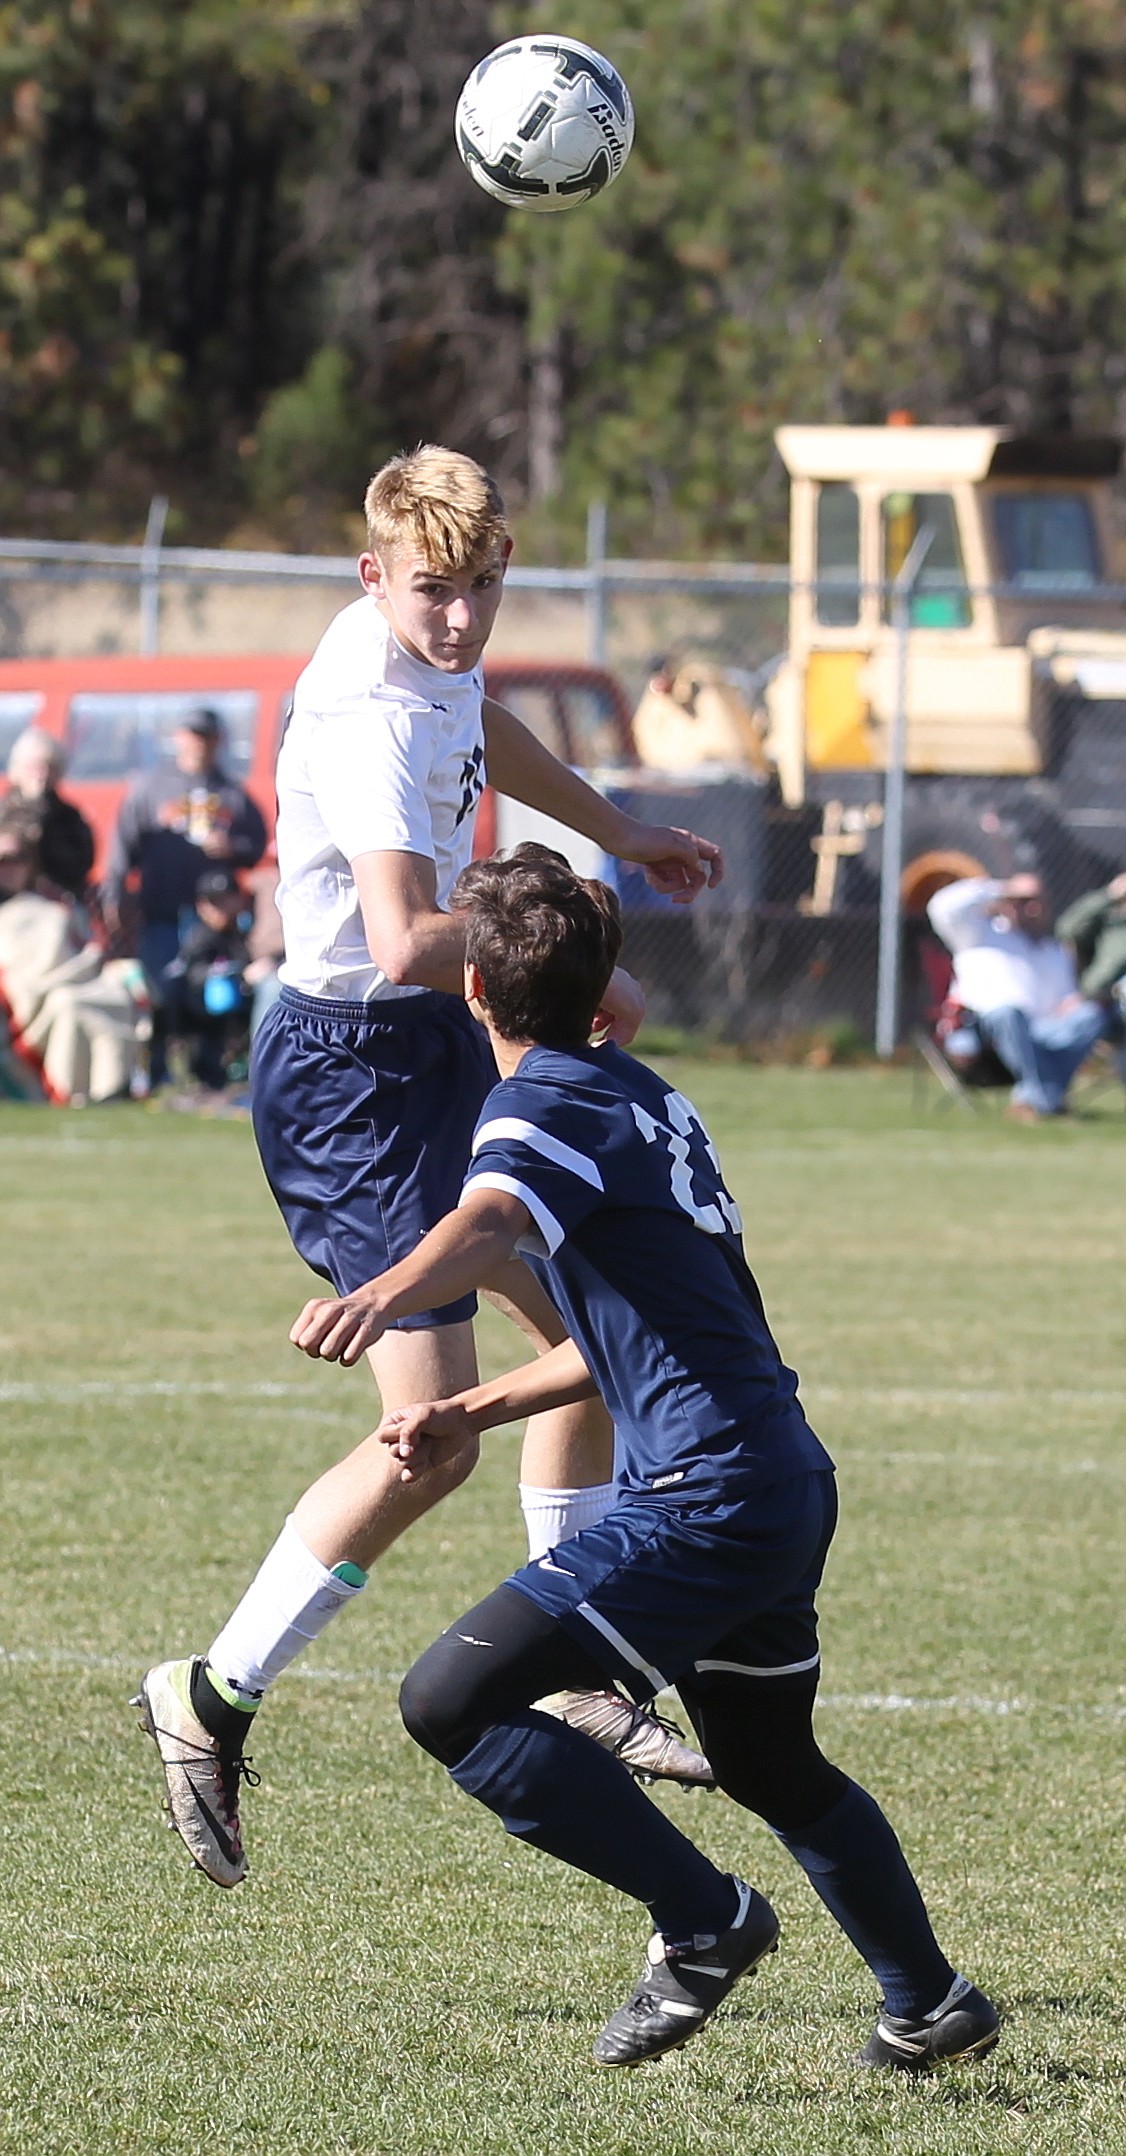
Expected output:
(307, 1403)
(1029, 1462)
(970, 1703)
(967, 1395)
(890, 1395)
(96, 1388)
(317, 1407)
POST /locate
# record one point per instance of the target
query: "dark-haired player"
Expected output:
(704, 1572)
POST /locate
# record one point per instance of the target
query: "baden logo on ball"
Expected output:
(544, 123)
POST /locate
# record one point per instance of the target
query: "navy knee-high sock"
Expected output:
(853, 1861)
(552, 1786)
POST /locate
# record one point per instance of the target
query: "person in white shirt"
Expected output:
(1018, 987)
(367, 1077)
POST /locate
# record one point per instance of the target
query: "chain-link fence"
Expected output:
(1014, 759)
(1014, 743)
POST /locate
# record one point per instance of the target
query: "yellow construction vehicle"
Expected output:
(1016, 667)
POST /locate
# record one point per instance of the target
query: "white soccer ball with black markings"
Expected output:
(544, 123)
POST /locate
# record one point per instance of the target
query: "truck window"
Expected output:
(838, 557)
(941, 599)
(1047, 541)
(537, 708)
(114, 733)
(593, 725)
(18, 708)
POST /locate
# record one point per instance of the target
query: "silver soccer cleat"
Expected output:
(645, 1743)
(203, 1784)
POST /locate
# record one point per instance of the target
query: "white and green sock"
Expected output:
(288, 1603)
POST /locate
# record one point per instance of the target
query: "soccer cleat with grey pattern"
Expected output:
(202, 1782)
(649, 1746)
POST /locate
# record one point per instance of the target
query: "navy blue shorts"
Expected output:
(662, 1591)
(364, 1115)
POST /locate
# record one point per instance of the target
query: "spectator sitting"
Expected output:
(1096, 925)
(175, 822)
(205, 997)
(66, 842)
(1017, 987)
(73, 1020)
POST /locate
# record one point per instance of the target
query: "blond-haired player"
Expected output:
(368, 1077)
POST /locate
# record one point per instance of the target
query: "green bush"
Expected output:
(314, 445)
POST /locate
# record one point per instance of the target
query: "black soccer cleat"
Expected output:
(965, 2026)
(683, 1983)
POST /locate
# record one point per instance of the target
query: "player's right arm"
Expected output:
(410, 939)
(425, 1436)
(418, 946)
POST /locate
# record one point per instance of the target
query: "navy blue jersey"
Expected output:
(639, 1244)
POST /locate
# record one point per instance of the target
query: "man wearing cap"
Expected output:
(185, 816)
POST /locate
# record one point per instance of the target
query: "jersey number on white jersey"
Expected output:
(472, 783)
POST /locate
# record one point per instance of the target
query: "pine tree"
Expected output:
(406, 244)
(829, 212)
(237, 249)
(149, 163)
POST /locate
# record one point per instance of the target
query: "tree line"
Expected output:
(240, 261)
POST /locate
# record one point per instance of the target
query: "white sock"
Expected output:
(288, 1603)
(553, 1516)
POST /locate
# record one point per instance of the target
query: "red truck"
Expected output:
(116, 716)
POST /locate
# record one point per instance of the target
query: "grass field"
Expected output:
(397, 1976)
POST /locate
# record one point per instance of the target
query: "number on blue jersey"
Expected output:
(694, 1171)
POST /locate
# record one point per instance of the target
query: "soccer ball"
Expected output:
(544, 123)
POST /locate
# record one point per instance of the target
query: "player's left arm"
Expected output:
(676, 862)
(460, 1254)
(425, 1436)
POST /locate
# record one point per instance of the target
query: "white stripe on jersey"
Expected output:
(550, 1235)
(540, 1141)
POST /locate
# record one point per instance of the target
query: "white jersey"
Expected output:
(382, 754)
(996, 966)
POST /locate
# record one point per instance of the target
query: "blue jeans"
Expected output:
(158, 946)
(1044, 1054)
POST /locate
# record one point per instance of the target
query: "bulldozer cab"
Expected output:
(1021, 539)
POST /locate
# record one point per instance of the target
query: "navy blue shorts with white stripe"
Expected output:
(364, 1116)
(662, 1591)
